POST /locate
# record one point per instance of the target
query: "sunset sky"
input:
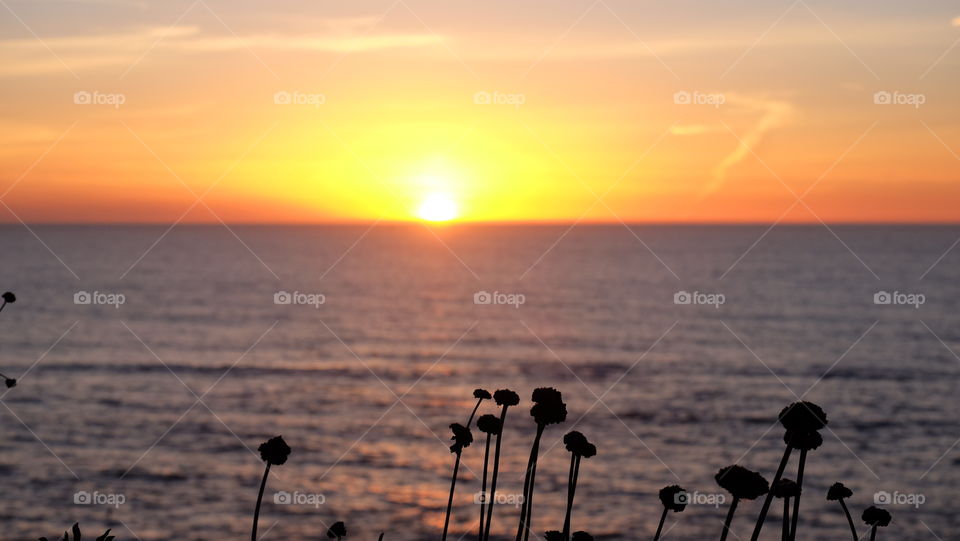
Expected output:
(388, 116)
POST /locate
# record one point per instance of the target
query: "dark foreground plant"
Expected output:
(874, 516)
(807, 441)
(579, 447)
(504, 398)
(742, 484)
(8, 298)
(785, 489)
(77, 536)
(548, 408)
(838, 492)
(490, 425)
(800, 419)
(461, 438)
(338, 531)
(480, 395)
(274, 452)
(674, 498)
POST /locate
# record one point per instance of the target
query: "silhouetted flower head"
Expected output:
(589, 450)
(806, 441)
(506, 397)
(674, 498)
(582, 536)
(838, 492)
(11, 383)
(274, 451)
(575, 441)
(742, 483)
(489, 424)
(803, 417)
(548, 407)
(875, 516)
(461, 437)
(553, 535)
(785, 488)
(481, 394)
(337, 530)
(9, 297)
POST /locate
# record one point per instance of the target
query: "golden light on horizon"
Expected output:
(438, 207)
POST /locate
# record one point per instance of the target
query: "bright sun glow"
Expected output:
(437, 207)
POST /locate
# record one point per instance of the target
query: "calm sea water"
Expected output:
(164, 399)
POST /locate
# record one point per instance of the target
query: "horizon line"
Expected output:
(489, 223)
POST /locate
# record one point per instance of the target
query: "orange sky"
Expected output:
(543, 111)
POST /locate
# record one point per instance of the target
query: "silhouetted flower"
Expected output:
(742, 483)
(506, 397)
(785, 488)
(9, 297)
(481, 394)
(553, 535)
(803, 417)
(874, 516)
(673, 498)
(579, 447)
(461, 437)
(489, 424)
(838, 491)
(548, 407)
(337, 531)
(11, 382)
(274, 451)
(582, 536)
(575, 441)
(804, 441)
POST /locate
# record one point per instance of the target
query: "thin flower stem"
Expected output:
(726, 523)
(663, 517)
(571, 492)
(453, 487)
(256, 512)
(2, 305)
(796, 500)
(523, 529)
(496, 470)
(533, 479)
(474, 412)
(483, 487)
(873, 533)
(853, 528)
(785, 534)
(769, 497)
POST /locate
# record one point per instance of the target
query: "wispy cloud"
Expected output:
(773, 114)
(83, 52)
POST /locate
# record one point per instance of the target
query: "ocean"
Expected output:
(152, 363)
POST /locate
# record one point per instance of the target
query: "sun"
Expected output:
(437, 207)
